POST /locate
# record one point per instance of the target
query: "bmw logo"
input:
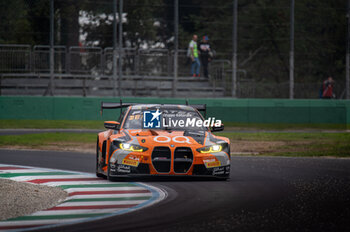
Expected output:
(172, 145)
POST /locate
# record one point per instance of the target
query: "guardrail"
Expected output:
(15, 58)
(41, 59)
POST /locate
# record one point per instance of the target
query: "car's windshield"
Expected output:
(164, 119)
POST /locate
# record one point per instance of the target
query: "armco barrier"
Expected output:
(228, 110)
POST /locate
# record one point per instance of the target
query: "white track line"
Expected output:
(111, 203)
(23, 171)
(70, 190)
(149, 191)
(34, 222)
(29, 178)
(58, 183)
(110, 195)
(77, 211)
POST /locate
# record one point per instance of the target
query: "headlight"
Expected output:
(210, 149)
(132, 147)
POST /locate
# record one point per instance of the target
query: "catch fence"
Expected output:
(140, 67)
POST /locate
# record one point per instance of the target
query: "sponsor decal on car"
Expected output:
(208, 160)
(131, 157)
(176, 139)
(130, 162)
(213, 164)
(219, 171)
(123, 168)
(227, 170)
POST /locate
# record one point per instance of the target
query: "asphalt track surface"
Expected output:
(263, 194)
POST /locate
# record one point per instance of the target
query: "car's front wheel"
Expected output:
(98, 174)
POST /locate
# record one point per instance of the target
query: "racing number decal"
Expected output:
(176, 139)
(160, 138)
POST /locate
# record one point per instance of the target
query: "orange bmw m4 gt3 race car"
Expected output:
(164, 140)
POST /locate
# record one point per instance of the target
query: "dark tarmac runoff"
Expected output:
(263, 194)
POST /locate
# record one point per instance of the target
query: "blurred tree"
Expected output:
(39, 18)
(263, 30)
(263, 36)
(67, 12)
(320, 39)
(141, 23)
(15, 27)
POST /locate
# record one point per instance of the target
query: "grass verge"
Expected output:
(291, 144)
(287, 126)
(272, 144)
(50, 124)
(85, 142)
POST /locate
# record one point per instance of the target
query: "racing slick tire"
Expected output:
(98, 174)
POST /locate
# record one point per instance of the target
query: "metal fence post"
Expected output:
(347, 81)
(291, 55)
(234, 49)
(114, 47)
(120, 66)
(67, 60)
(52, 64)
(31, 60)
(176, 43)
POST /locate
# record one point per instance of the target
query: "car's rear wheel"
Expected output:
(98, 174)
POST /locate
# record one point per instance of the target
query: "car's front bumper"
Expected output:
(200, 170)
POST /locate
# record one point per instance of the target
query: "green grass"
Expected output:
(286, 136)
(287, 126)
(50, 124)
(299, 144)
(289, 144)
(43, 139)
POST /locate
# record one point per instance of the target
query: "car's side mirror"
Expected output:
(217, 128)
(112, 125)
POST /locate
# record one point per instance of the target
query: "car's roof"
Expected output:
(162, 106)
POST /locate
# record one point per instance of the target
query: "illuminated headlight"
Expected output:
(132, 147)
(210, 149)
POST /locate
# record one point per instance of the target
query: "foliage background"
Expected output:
(263, 31)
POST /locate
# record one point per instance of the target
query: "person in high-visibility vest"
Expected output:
(193, 49)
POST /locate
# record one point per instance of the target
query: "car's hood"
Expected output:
(150, 137)
(176, 138)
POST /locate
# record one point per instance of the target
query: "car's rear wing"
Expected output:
(120, 105)
(199, 107)
(115, 105)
